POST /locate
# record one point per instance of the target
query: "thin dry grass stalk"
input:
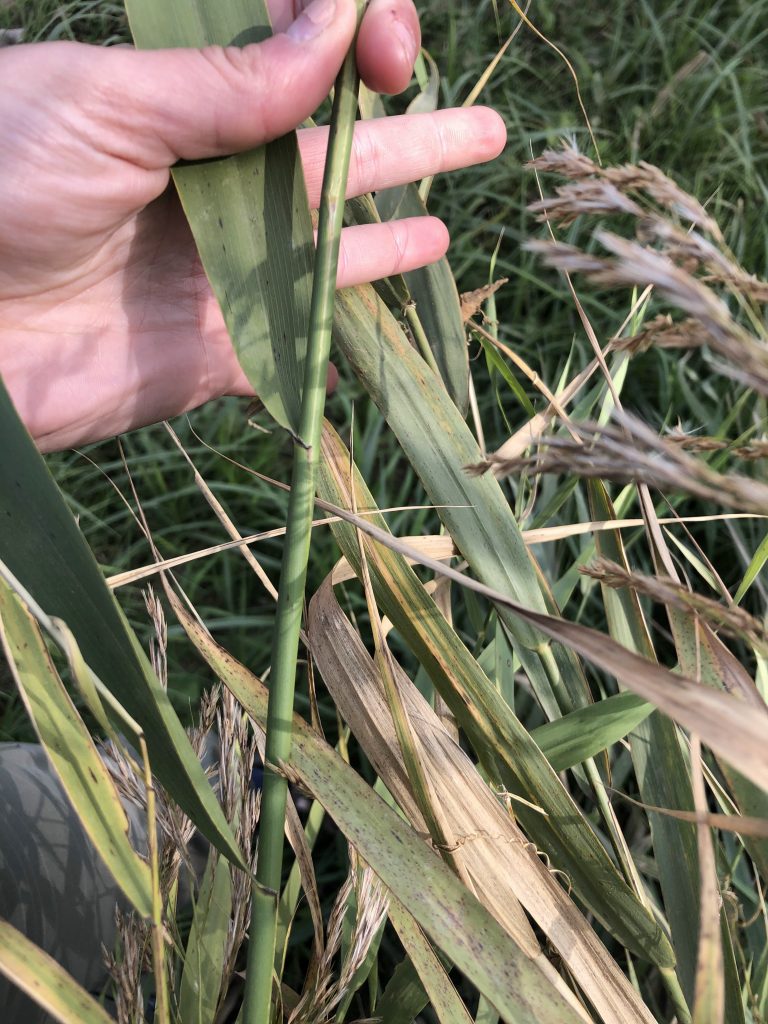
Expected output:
(632, 452)
(731, 620)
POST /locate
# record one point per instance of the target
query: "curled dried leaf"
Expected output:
(472, 301)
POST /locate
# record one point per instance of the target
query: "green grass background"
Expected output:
(708, 128)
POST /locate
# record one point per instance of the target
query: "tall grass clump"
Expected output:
(515, 730)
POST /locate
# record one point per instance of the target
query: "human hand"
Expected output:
(107, 321)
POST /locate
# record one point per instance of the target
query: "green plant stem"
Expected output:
(675, 993)
(419, 336)
(293, 574)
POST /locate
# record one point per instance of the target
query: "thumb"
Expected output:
(160, 106)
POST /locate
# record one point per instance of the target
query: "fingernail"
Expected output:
(408, 40)
(314, 20)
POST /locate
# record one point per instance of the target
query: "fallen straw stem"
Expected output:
(293, 574)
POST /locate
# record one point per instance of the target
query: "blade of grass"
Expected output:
(581, 734)
(52, 988)
(727, 725)
(502, 866)
(438, 444)
(71, 750)
(404, 997)
(709, 988)
(758, 561)
(663, 773)
(435, 300)
(43, 547)
(248, 214)
(205, 951)
(444, 998)
(506, 749)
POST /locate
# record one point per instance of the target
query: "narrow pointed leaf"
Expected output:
(38, 974)
(248, 213)
(206, 946)
(443, 996)
(404, 997)
(433, 290)
(71, 750)
(582, 734)
(663, 773)
(43, 547)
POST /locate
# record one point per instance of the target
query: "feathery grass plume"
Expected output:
(241, 803)
(731, 620)
(628, 451)
(662, 332)
(127, 967)
(679, 263)
(589, 196)
(320, 1001)
(175, 828)
(695, 442)
(158, 644)
(638, 265)
(220, 714)
(641, 179)
(757, 449)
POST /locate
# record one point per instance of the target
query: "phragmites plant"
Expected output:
(495, 746)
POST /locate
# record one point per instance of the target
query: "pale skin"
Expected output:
(107, 322)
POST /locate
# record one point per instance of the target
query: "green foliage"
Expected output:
(628, 891)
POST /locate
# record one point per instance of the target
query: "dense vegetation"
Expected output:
(682, 87)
